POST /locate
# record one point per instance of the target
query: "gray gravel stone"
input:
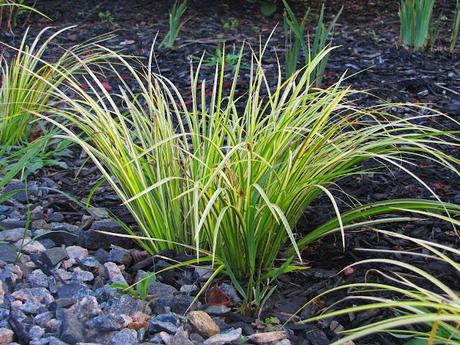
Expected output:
(87, 308)
(13, 235)
(53, 256)
(164, 322)
(76, 252)
(30, 246)
(124, 337)
(89, 262)
(18, 186)
(80, 276)
(8, 253)
(114, 273)
(92, 239)
(71, 330)
(217, 310)
(43, 318)
(55, 217)
(224, 338)
(120, 256)
(104, 322)
(126, 304)
(159, 289)
(36, 332)
(73, 290)
(12, 223)
(38, 279)
(317, 337)
(6, 336)
(5, 209)
(33, 298)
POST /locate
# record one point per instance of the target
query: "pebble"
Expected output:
(2, 293)
(38, 279)
(87, 308)
(284, 342)
(164, 322)
(14, 235)
(224, 338)
(217, 309)
(317, 337)
(71, 329)
(267, 337)
(30, 246)
(6, 336)
(124, 337)
(39, 294)
(203, 323)
(12, 223)
(53, 256)
(36, 332)
(76, 252)
(159, 289)
(114, 273)
(120, 256)
(80, 275)
(108, 322)
(336, 327)
(8, 253)
(73, 290)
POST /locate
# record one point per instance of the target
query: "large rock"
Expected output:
(203, 323)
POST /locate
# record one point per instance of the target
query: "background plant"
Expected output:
(425, 309)
(455, 27)
(15, 8)
(415, 20)
(229, 177)
(105, 16)
(214, 59)
(175, 23)
(296, 41)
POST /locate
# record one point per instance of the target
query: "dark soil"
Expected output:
(368, 51)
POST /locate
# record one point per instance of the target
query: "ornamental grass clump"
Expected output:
(424, 308)
(227, 176)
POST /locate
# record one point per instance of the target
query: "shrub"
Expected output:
(229, 176)
(425, 309)
(415, 20)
